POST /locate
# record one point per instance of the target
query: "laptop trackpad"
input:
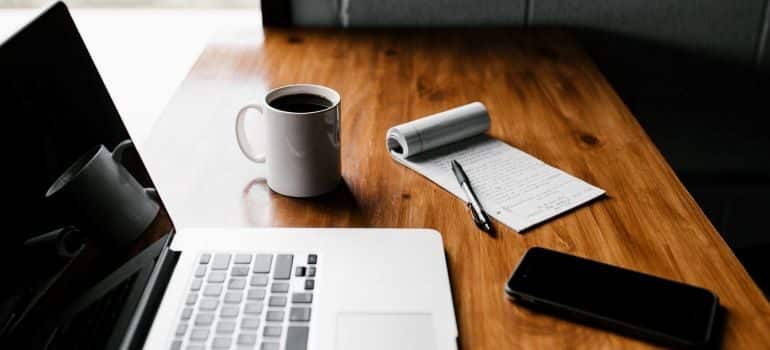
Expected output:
(385, 331)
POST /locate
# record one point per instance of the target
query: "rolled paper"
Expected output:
(436, 130)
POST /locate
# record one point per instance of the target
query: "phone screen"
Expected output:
(622, 296)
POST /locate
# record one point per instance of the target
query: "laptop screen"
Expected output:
(81, 201)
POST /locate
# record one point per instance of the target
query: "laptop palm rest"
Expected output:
(381, 331)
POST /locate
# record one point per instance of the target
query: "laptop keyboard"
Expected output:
(248, 301)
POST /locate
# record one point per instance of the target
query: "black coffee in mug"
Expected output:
(300, 103)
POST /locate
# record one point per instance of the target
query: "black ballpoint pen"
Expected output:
(479, 216)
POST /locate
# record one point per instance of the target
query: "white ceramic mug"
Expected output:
(112, 205)
(302, 152)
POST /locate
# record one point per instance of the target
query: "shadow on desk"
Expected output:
(340, 208)
(715, 343)
(708, 117)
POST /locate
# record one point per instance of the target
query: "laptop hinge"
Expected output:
(148, 304)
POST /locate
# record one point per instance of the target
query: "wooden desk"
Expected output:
(545, 96)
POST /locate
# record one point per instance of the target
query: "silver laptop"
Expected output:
(267, 288)
(306, 289)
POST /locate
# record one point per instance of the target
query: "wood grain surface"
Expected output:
(544, 95)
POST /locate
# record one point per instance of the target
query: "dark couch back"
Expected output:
(730, 30)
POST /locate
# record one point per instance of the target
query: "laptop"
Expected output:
(208, 288)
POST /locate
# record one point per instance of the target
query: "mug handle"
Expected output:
(240, 134)
(120, 149)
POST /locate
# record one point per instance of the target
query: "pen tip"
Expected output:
(487, 227)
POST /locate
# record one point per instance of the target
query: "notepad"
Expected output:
(514, 187)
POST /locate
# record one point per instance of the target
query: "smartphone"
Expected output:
(643, 306)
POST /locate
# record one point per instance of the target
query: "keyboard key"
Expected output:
(243, 258)
(262, 263)
(208, 304)
(212, 290)
(200, 271)
(233, 297)
(283, 266)
(195, 347)
(221, 342)
(216, 277)
(302, 298)
(250, 323)
(247, 339)
(221, 262)
(269, 346)
(275, 316)
(187, 313)
(259, 280)
(229, 311)
(196, 284)
(256, 294)
(279, 288)
(277, 300)
(176, 345)
(254, 308)
(239, 271)
(299, 314)
(237, 266)
(199, 334)
(272, 331)
(181, 329)
(296, 338)
(225, 327)
(236, 283)
(204, 319)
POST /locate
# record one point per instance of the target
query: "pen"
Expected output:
(477, 212)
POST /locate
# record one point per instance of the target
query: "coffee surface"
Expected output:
(300, 103)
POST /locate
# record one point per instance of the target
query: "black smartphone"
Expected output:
(629, 302)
